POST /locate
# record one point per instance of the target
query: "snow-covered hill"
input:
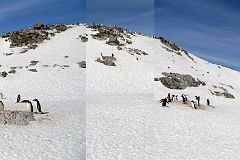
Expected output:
(124, 117)
(52, 74)
(115, 100)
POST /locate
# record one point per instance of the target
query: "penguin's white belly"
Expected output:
(192, 104)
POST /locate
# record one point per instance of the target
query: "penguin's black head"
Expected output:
(35, 99)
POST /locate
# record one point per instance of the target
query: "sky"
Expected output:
(20, 14)
(209, 29)
(135, 15)
(206, 28)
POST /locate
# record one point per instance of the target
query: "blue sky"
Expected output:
(135, 15)
(208, 28)
(19, 14)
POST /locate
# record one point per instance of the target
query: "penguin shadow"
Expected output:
(40, 112)
(189, 105)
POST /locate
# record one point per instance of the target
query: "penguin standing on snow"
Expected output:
(208, 102)
(169, 97)
(193, 105)
(30, 104)
(1, 106)
(164, 102)
(18, 98)
(39, 108)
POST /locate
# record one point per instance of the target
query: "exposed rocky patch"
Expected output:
(173, 47)
(32, 37)
(16, 117)
(32, 70)
(171, 50)
(114, 35)
(83, 38)
(221, 91)
(82, 64)
(4, 74)
(107, 60)
(13, 71)
(33, 63)
(179, 81)
(134, 51)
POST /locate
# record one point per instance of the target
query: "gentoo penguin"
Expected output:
(208, 102)
(18, 98)
(30, 104)
(39, 108)
(193, 105)
(1, 106)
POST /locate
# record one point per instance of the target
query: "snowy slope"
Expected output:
(124, 117)
(116, 107)
(59, 84)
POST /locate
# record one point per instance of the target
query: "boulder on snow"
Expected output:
(38, 26)
(113, 41)
(16, 117)
(61, 27)
(107, 60)
(27, 37)
(179, 81)
(82, 64)
(83, 38)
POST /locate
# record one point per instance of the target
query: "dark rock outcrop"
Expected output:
(107, 60)
(82, 64)
(179, 81)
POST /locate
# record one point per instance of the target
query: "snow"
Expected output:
(60, 134)
(126, 121)
(113, 112)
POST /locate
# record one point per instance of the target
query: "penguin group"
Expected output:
(172, 98)
(39, 108)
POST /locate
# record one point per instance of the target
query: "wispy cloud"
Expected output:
(9, 8)
(207, 27)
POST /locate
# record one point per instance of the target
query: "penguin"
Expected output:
(1, 106)
(208, 102)
(198, 100)
(39, 108)
(30, 104)
(18, 98)
(193, 105)
(164, 102)
(169, 97)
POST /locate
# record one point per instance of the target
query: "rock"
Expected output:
(16, 117)
(133, 51)
(61, 27)
(13, 71)
(33, 63)
(107, 60)
(113, 41)
(84, 39)
(4, 74)
(27, 37)
(179, 81)
(82, 64)
(33, 70)
(38, 26)
(228, 95)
